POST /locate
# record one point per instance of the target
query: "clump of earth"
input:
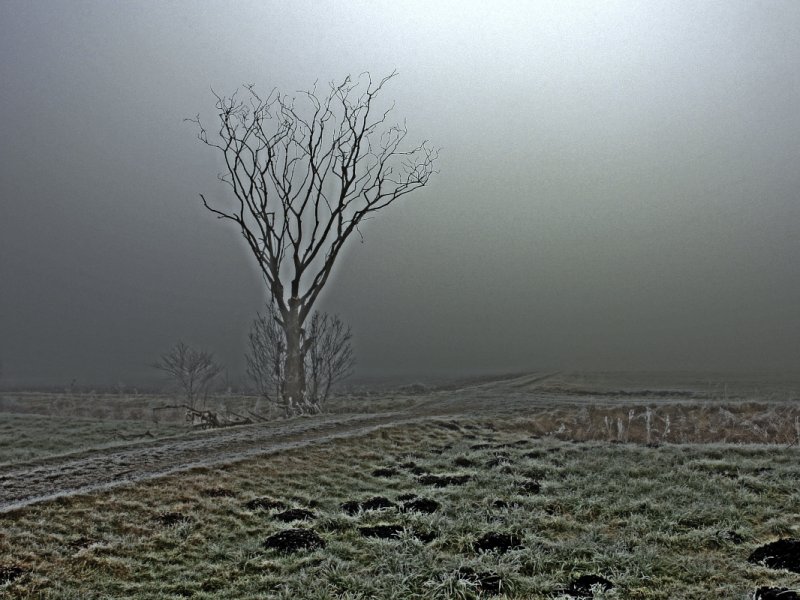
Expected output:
(782, 554)
(217, 492)
(351, 507)
(385, 472)
(497, 542)
(413, 468)
(169, 519)
(265, 503)
(295, 514)
(423, 505)
(444, 480)
(388, 531)
(530, 486)
(9, 573)
(293, 540)
(582, 586)
(487, 582)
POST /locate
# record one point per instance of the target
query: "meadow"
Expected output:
(555, 503)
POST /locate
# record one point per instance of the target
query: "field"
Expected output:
(530, 487)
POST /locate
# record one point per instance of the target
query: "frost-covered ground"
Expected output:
(554, 468)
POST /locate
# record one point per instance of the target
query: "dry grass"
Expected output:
(675, 423)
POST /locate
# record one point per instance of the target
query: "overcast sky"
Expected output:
(619, 186)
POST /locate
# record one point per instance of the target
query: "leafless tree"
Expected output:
(193, 370)
(328, 360)
(304, 176)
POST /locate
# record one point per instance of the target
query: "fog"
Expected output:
(618, 189)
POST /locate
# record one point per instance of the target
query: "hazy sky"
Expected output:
(619, 186)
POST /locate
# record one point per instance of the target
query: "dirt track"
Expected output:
(22, 484)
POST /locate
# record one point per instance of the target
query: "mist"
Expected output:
(618, 185)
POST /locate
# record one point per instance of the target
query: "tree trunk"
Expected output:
(294, 393)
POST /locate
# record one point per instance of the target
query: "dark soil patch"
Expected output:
(383, 532)
(530, 486)
(783, 554)
(294, 540)
(9, 573)
(217, 492)
(773, 593)
(444, 480)
(487, 582)
(377, 503)
(534, 454)
(409, 464)
(426, 537)
(390, 531)
(419, 471)
(463, 462)
(385, 472)
(351, 507)
(582, 586)
(423, 505)
(497, 542)
(295, 514)
(170, 519)
(406, 497)
(265, 504)
(501, 504)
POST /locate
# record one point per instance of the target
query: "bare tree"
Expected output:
(330, 355)
(328, 360)
(304, 176)
(266, 358)
(193, 370)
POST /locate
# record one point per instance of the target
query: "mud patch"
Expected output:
(497, 542)
(295, 514)
(773, 593)
(423, 505)
(783, 554)
(488, 582)
(265, 503)
(582, 586)
(293, 540)
(9, 573)
(444, 480)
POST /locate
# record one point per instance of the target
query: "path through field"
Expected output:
(48, 478)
